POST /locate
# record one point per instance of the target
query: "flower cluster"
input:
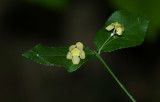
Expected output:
(76, 53)
(117, 26)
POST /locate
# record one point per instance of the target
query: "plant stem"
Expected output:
(117, 80)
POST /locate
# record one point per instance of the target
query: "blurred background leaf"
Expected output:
(147, 7)
(57, 5)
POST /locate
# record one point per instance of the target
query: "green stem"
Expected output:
(113, 75)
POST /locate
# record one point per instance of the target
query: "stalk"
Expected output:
(117, 80)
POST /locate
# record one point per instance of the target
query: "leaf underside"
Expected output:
(134, 34)
(52, 56)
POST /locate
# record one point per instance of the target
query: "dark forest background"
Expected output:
(25, 23)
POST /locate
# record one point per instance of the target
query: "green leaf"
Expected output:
(151, 8)
(134, 34)
(52, 56)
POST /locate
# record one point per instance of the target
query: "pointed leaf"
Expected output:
(52, 56)
(135, 29)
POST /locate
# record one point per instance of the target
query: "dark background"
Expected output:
(23, 24)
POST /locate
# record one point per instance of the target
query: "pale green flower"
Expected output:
(76, 53)
(117, 26)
